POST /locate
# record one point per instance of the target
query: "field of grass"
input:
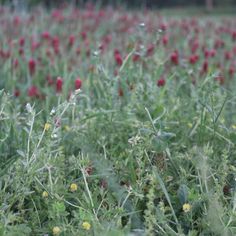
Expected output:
(117, 123)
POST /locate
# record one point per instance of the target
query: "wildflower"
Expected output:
(205, 66)
(29, 108)
(73, 187)
(59, 84)
(45, 35)
(47, 126)
(17, 93)
(83, 35)
(33, 91)
(219, 44)
(86, 225)
(186, 207)
(32, 66)
(231, 70)
(193, 59)
(56, 230)
(174, 57)
(190, 125)
(136, 57)
(228, 55)
(163, 27)
(21, 41)
(234, 35)
(78, 83)
(150, 50)
(207, 53)
(53, 111)
(118, 59)
(71, 40)
(15, 63)
(161, 82)
(34, 46)
(16, 20)
(56, 44)
(67, 128)
(165, 40)
(195, 46)
(21, 51)
(54, 136)
(213, 52)
(45, 194)
(234, 126)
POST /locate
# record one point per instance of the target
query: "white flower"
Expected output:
(53, 111)
(29, 108)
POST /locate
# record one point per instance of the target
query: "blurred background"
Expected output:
(207, 4)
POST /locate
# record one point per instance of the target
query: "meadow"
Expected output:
(117, 122)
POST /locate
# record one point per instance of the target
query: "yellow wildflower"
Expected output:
(73, 187)
(86, 225)
(67, 128)
(45, 194)
(186, 207)
(190, 125)
(47, 126)
(56, 230)
(234, 126)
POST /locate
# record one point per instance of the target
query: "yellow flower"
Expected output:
(86, 225)
(234, 126)
(190, 125)
(47, 126)
(56, 230)
(67, 128)
(186, 207)
(73, 187)
(45, 194)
